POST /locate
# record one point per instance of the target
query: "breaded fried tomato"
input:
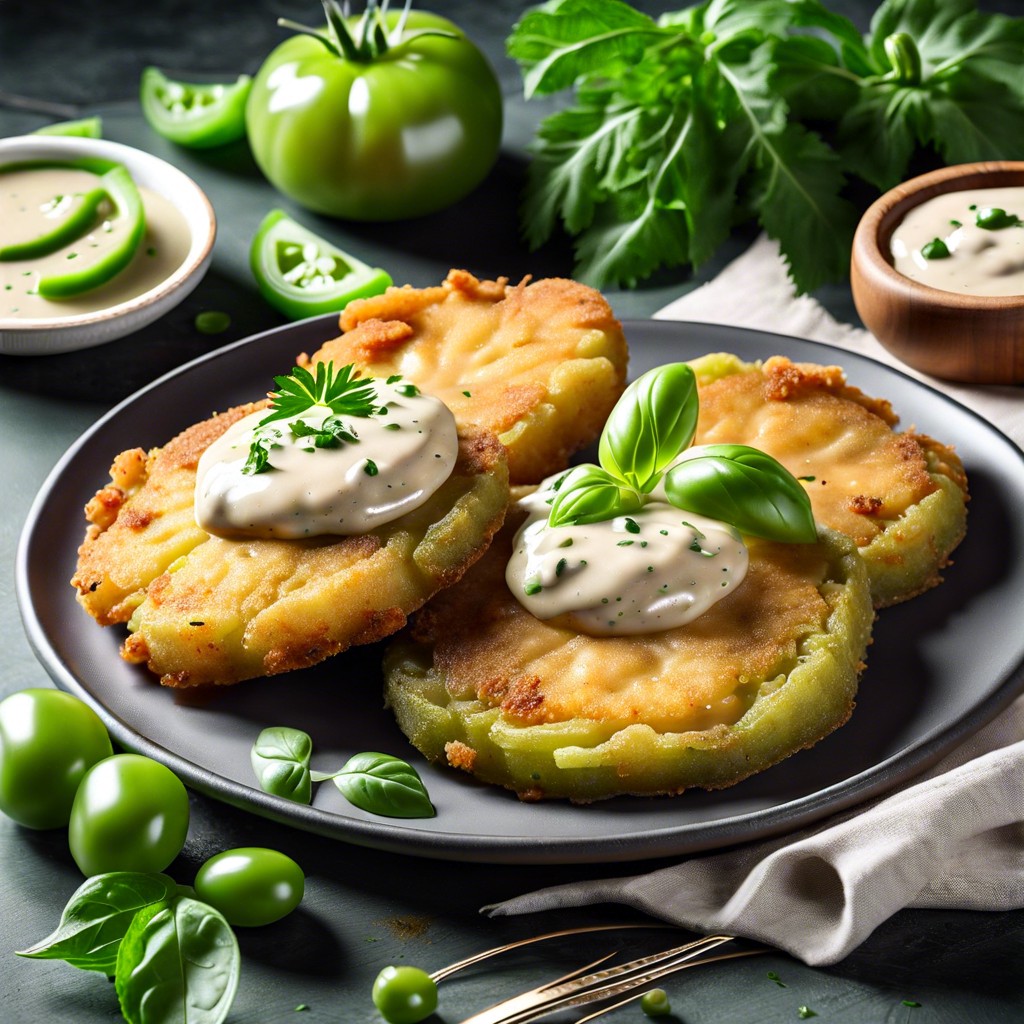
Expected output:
(210, 610)
(901, 496)
(539, 708)
(539, 364)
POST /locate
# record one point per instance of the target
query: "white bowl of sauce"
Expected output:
(937, 272)
(169, 262)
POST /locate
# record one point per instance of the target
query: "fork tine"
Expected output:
(603, 984)
(608, 1009)
(445, 972)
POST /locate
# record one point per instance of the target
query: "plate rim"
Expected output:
(400, 836)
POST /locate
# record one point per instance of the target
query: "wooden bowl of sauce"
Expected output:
(959, 315)
(37, 174)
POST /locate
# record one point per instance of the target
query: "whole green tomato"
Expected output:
(404, 995)
(48, 741)
(130, 814)
(251, 886)
(405, 125)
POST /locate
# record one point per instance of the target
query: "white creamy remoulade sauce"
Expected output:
(645, 572)
(982, 260)
(400, 458)
(31, 203)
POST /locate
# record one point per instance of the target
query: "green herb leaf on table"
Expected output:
(381, 784)
(178, 963)
(97, 917)
(280, 758)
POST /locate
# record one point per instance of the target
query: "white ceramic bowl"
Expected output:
(83, 330)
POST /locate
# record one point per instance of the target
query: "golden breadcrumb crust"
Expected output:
(540, 364)
(901, 496)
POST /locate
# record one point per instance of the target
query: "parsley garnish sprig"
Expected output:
(342, 392)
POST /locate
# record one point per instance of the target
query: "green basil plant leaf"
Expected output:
(382, 784)
(97, 917)
(652, 422)
(744, 487)
(590, 494)
(280, 759)
(178, 964)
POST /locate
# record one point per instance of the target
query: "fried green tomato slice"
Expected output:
(901, 496)
(480, 684)
(207, 610)
(540, 364)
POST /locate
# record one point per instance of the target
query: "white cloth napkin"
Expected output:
(818, 893)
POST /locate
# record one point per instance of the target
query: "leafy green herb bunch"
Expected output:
(730, 111)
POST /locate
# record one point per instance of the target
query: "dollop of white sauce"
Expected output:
(981, 261)
(396, 462)
(652, 570)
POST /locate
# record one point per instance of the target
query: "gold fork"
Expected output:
(578, 988)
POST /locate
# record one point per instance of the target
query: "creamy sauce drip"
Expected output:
(31, 203)
(981, 261)
(397, 462)
(655, 569)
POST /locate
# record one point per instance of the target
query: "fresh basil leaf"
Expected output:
(178, 965)
(652, 422)
(744, 487)
(382, 784)
(280, 758)
(590, 494)
(97, 916)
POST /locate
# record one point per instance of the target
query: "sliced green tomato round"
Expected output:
(302, 275)
(194, 114)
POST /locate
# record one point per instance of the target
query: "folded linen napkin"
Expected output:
(818, 893)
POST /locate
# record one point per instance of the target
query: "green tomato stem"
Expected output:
(316, 33)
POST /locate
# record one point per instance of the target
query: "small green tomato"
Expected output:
(130, 814)
(48, 741)
(404, 995)
(655, 1003)
(251, 886)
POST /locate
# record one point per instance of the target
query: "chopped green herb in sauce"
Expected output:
(936, 249)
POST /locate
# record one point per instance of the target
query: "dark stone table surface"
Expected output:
(364, 909)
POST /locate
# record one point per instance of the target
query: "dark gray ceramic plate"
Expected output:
(939, 668)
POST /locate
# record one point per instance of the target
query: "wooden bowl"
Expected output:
(973, 338)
